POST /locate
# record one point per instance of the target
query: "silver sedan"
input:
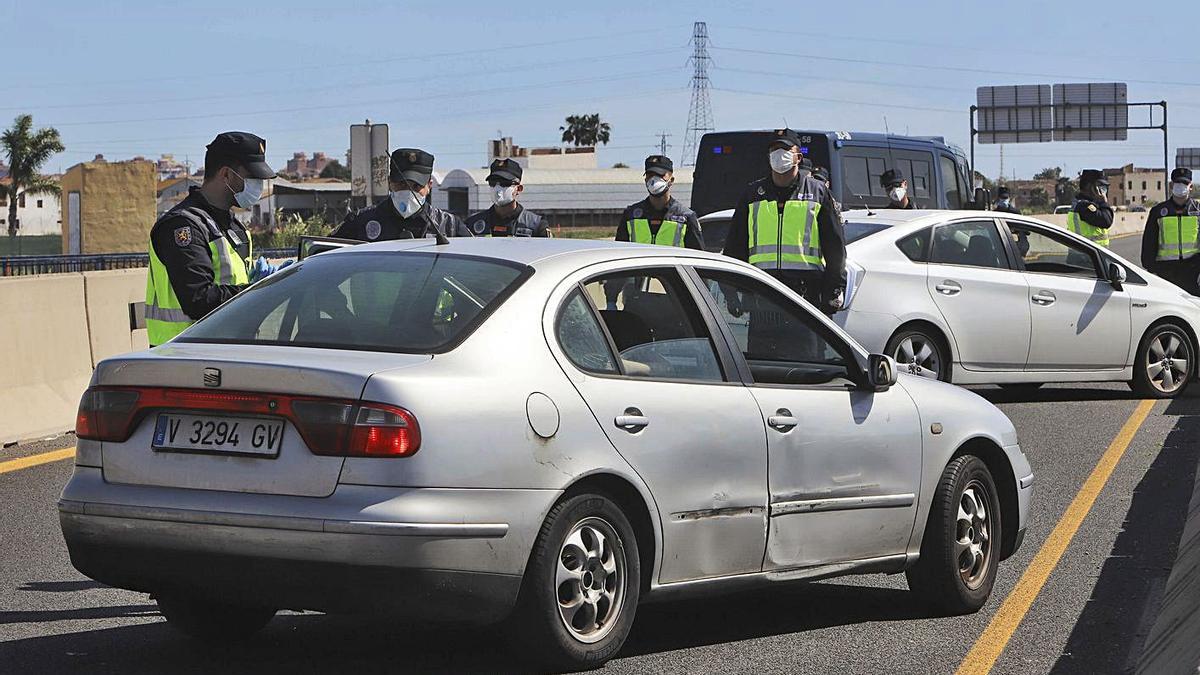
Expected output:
(541, 434)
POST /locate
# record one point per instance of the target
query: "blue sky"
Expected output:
(125, 78)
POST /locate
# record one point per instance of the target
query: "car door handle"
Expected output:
(949, 287)
(782, 421)
(632, 421)
(1044, 298)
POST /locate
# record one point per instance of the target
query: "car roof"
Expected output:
(530, 250)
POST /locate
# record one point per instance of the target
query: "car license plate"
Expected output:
(254, 436)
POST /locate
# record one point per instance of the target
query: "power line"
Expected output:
(821, 99)
(700, 117)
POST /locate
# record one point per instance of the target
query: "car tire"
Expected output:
(213, 621)
(581, 587)
(962, 545)
(1157, 371)
(918, 351)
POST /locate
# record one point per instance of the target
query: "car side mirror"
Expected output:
(983, 199)
(881, 372)
(1116, 276)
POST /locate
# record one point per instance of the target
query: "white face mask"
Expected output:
(252, 189)
(1180, 190)
(782, 160)
(898, 193)
(406, 202)
(656, 185)
(503, 196)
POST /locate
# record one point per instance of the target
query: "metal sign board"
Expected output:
(368, 161)
(1091, 112)
(1015, 114)
(1188, 158)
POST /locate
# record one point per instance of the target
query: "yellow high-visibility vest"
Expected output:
(787, 241)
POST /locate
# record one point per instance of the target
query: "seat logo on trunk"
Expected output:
(212, 377)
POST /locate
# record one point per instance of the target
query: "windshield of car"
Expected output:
(859, 230)
(400, 302)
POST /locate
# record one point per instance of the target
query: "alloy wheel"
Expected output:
(973, 543)
(917, 355)
(1168, 360)
(590, 577)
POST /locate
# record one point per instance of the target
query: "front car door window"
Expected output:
(1044, 253)
(829, 442)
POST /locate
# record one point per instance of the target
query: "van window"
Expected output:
(862, 167)
(950, 183)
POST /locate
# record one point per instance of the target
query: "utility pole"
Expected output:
(1002, 159)
(662, 142)
(700, 117)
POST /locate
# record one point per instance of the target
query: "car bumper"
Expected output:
(869, 329)
(435, 554)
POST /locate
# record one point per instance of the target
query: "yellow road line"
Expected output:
(995, 637)
(35, 460)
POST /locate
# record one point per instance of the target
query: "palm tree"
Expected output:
(27, 151)
(585, 130)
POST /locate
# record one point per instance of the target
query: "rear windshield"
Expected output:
(856, 231)
(396, 302)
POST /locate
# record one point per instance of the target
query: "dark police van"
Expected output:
(728, 160)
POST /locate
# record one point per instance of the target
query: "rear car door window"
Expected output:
(655, 326)
(974, 243)
(1044, 253)
(581, 337)
(916, 245)
(781, 342)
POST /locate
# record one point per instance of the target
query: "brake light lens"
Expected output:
(331, 427)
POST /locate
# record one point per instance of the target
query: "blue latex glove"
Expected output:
(261, 269)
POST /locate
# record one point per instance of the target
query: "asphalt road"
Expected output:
(1091, 616)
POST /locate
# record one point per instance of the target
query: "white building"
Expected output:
(37, 213)
(566, 197)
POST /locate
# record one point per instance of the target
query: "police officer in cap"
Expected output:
(1004, 203)
(406, 213)
(1171, 241)
(199, 253)
(660, 218)
(789, 225)
(896, 185)
(506, 217)
(1090, 215)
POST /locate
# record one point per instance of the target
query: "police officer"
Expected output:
(199, 253)
(1090, 215)
(896, 185)
(1004, 203)
(789, 225)
(1171, 240)
(406, 213)
(822, 174)
(659, 218)
(506, 217)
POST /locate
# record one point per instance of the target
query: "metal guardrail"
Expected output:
(11, 266)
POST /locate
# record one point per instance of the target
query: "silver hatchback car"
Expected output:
(536, 433)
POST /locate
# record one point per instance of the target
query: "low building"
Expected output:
(556, 157)
(174, 190)
(1036, 193)
(301, 167)
(108, 207)
(327, 197)
(1138, 185)
(566, 197)
(37, 214)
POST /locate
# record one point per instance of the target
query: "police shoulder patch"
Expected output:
(1162, 211)
(183, 236)
(479, 226)
(637, 213)
(1091, 207)
(374, 229)
(761, 191)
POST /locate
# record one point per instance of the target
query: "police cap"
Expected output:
(412, 164)
(1002, 191)
(505, 170)
(243, 149)
(820, 172)
(1181, 175)
(659, 165)
(784, 137)
(891, 178)
(1092, 177)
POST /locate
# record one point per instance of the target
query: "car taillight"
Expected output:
(384, 431)
(325, 425)
(106, 414)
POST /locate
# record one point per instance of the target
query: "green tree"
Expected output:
(585, 130)
(1053, 172)
(27, 151)
(334, 169)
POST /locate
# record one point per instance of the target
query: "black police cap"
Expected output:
(506, 170)
(1181, 175)
(820, 172)
(785, 137)
(660, 165)
(411, 164)
(1092, 176)
(242, 148)
(891, 177)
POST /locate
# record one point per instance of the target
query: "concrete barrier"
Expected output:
(1172, 646)
(1124, 222)
(108, 296)
(45, 354)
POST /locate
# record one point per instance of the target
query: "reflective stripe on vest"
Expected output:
(1083, 228)
(788, 242)
(165, 317)
(1178, 237)
(670, 232)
